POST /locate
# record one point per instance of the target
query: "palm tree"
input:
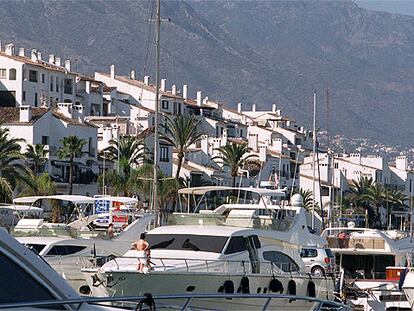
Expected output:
(233, 156)
(38, 154)
(71, 147)
(131, 153)
(12, 168)
(375, 197)
(182, 132)
(38, 186)
(307, 198)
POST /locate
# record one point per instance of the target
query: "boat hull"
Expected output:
(132, 283)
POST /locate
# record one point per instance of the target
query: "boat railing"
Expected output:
(163, 264)
(182, 302)
(278, 221)
(355, 243)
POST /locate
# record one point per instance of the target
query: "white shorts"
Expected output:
(142, 255)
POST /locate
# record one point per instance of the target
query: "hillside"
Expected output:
(245, 51)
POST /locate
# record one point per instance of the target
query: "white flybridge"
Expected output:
(229, 240)
(370, 262)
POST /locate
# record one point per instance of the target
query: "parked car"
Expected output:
(318, 260)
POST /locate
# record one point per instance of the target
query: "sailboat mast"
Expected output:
(313, 160)
(157, 101)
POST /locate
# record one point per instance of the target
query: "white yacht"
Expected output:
(25, 279)
(370, 262)
(230, 241)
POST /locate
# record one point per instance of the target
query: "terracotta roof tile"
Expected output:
(11, 115)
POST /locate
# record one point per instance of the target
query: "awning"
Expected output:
(76, 199)
(203, 190)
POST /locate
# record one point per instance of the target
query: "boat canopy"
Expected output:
(76, 199)
(22, 208)
(204, 190)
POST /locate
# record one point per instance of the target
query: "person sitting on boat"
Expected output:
(142, 246)
(110, 231)
(342, 236)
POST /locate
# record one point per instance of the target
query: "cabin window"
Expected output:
(19, 286)
(188, 242)
(283, 261)
(36, 247)
(62, 250)
(236, 244)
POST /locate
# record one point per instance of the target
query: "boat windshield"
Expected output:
(36, 247)
(198, 243)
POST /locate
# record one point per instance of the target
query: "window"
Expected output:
(68, 86)
(175, 108)
(309, 252)
(164, 156)
(63, 250)
(24, 95)
(165, 104)
(45, 140)
(236, 244)
(57, 84)
(283, 261)
(35, 100)
(12, 74)
(51, 83)
(3, 73)
(336, 165)
(36, 247)
(20, 286)
(32, 75)
(203, 243)
(43, 78)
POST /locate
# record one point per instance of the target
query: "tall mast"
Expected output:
(157, 101)
(313, 160)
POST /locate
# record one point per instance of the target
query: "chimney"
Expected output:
(112, 71)
(199, 94)
(39, 55)
(163, 82)
(132, 75)
(274, 108)
(401, 163)
(67, 64)
(146, 80)
(52, 59)
(185, 91)
(254, 107)
(25, 113)
(33, 55)
(253, 141)
(174, 89)
(65, 109)
(10, 49)
(239, 107)
(262, 153)
(21, 52)
(57, 61)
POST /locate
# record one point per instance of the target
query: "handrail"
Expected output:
(188, 297)
(195, 263)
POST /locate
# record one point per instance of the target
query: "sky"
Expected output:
(392, 6)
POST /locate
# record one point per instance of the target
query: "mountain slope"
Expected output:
(249, 51)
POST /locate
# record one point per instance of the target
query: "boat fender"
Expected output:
(245, 285)
(146, 301)
(228, 287)
(276, 286)
(311, 289)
